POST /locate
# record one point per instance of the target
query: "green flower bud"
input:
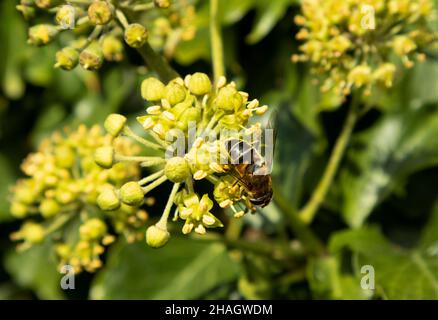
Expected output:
(67, 58)
(152, 89)
(45, 4)
(177, 169)
(136, 35)
(104, 157)
(92, 57)
(18, 210)
(32, 232)
(132, 194)
(42, 34)
(65, 196)
(49, 208)
(28, 12)
(190, 115)
(156, 237)
(112, 49)
(114, 124)
(162, 3)
(25, 195)
(100, 12)
(93, 229)
(108, 200)
(199, 84)
(65, 157)
(175, 93)
(228, 100)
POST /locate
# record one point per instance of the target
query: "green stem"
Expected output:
(310, 209)
(151, 177)
(157, 63)
(127, 131)
(217, 51)
(310, 241)
(163, 220)
(153, 60)
(154, 184)
(119, 157)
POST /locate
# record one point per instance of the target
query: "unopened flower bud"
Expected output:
(152, 89)
(108, 200)
(45, 4)
(177, 169)
(92, 57)
(100, 12)
(136, 35)
(33, 232)
(132, 194)
(28, 12)
(104, 157)
(228, 99)
(93, 229)
(112, 49)
(162, 3)
(175, 93)
(42, 34)
(114, 124)
(199, 84)
(65, 157)
(67, 58)
(18, 210)
(49, 208)
(156, 237)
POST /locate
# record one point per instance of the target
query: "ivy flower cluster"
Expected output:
(168, 28)
(352, 43)
(174, 108)
(95, 31)
(59, 198)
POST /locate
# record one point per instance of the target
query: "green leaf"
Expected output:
(399, 145)
(268, 14)
(232, 11)
(36, 269)
(294, 150)
(8, 178)
(399, 273)
(13, 50)
(183, 269)
(327, 281)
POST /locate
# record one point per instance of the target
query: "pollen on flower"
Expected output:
(184, 123)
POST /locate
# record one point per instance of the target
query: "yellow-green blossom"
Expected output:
(351, 44)
(65, 186)
(184, 122)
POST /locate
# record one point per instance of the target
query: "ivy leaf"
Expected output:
(184, 269)
(232, 11)
(8, 178)
(13, 45)
(399, 273)
(327, 281)
(36, 270)
(397, 146)
(268, 14)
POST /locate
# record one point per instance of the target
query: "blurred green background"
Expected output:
(382, 209)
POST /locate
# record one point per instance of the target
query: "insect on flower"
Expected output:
(250, 169)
